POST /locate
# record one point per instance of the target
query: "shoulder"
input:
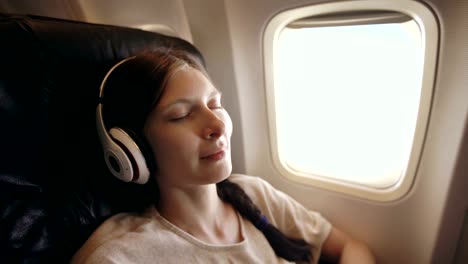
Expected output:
(256, 187)
(287, 214)
(262, 193)
(120, 224)
(249, 181)
(113, 229)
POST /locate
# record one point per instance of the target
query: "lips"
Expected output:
(217, 155)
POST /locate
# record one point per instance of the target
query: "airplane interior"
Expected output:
(365, 121)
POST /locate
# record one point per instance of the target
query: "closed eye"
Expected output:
(216, 107)
(179, 117)
(215, 103)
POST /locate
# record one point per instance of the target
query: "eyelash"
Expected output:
(218, 107)
(179, 118)
(216, 104)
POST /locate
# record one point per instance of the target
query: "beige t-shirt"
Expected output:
(149, 238)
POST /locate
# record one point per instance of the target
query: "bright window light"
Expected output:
(349, 88)
(347, 100)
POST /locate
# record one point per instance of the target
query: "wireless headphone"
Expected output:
(122, 154)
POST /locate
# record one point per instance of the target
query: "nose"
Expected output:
(214, 126)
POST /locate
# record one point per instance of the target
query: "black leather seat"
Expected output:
(54, 187)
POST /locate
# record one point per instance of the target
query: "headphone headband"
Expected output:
(121, 153)
(103, 83)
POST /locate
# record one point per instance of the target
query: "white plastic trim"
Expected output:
(428, 26)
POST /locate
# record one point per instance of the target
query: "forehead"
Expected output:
(186, 82)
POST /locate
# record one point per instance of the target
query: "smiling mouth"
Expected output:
(216, 156)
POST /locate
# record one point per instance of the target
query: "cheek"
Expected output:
(170, 143)
(164, 143)
(227, 123)
(224, 116)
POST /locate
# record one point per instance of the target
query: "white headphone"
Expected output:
(121, 153)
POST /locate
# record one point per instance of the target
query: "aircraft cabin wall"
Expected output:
(424, 225)
(429, 223)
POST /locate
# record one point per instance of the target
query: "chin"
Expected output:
(221, 174)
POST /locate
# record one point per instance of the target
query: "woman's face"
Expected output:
(189, 132)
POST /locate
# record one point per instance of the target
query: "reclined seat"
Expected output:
(54, 185)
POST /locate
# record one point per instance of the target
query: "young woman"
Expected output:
(197, 211)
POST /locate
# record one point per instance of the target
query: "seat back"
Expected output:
(54, 185)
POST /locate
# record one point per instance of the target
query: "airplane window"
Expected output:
(350, 99)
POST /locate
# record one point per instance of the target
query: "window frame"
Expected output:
(428, 26)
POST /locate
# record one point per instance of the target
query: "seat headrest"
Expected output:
(50, 73)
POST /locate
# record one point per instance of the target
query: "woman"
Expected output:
(199, 212)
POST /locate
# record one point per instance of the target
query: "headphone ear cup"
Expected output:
(140, 172)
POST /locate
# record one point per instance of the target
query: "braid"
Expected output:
(290, 249)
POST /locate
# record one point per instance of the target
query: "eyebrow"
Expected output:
(188, 100)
